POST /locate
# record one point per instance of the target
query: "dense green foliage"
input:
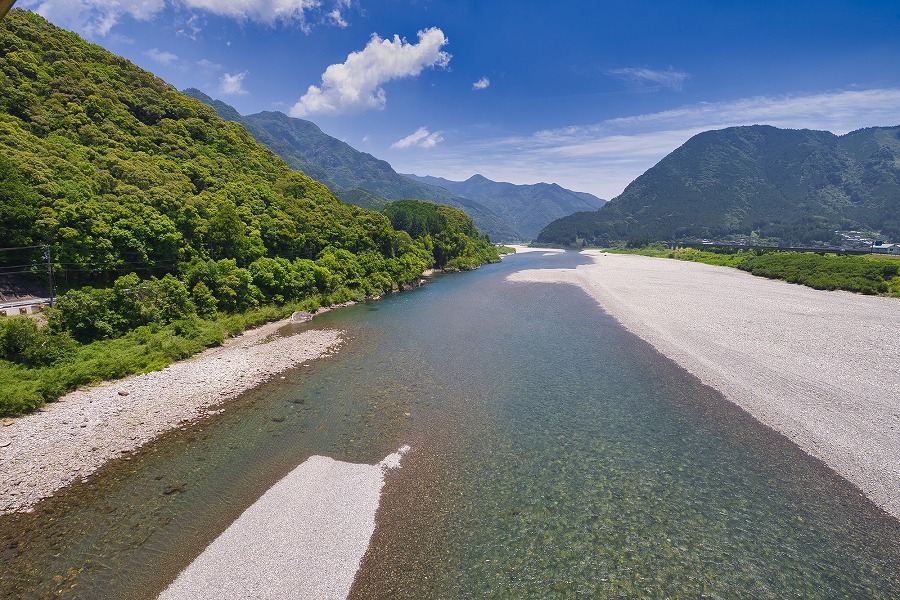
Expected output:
(447, 232)
(792, 187)
(529, 208)
(64, 365)
(864, 274)
(162, 220)
(355, 177)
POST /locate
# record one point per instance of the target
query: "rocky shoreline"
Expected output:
(69, 439)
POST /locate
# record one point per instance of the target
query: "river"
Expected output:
(553, 454)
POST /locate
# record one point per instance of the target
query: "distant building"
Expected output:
(882, 248)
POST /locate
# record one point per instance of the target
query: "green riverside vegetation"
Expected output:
(864, 274)
(168, 227)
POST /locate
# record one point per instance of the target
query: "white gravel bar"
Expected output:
(303, 539)
(823, 368)
(72, 437)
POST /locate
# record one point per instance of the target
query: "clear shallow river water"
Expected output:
(554, 455)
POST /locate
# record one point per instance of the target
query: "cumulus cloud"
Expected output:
(95, 18)
(649, 79)
(356, 83)
(160, 56)
(481, 84)
(421, 137)
(233, 84)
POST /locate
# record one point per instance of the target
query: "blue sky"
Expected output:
(587, 94)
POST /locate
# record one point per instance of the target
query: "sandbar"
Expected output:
(304, 538)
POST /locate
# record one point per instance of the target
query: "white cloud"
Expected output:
(650, 79)
(421, 137)
(233, 84)
(191, 27)
(481, 84)
(337, 18)
(160, 56)
(263, 11)
(95, 18)
(205, 63)
(356, 83)
(603, 158)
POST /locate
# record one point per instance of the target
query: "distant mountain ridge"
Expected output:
(760, 182)
(355, 177)
(504, 211)
(528, 207)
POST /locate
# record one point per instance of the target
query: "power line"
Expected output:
(21, 247)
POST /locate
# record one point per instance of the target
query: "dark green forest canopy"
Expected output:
(447, 232)
(788, 187)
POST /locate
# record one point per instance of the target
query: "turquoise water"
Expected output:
(554, 455)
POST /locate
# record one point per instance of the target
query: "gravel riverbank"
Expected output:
(820, 367)
(72, 437)
(304, 538)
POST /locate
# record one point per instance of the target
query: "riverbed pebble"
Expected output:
(73, 437)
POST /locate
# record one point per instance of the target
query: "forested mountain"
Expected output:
(119, 173)
(354, 176)
(782, 186)
(528, 207)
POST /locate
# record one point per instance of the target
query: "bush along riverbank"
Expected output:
(872, 275)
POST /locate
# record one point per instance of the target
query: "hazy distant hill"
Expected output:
(528, 207)
(355, 177)
(793, 186)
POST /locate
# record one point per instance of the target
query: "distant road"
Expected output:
(24, 303)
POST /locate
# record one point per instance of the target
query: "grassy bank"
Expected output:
(863, 274)
(147, 348)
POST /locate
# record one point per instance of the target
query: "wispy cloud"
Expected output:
(205, 63)
(161, 56)
(421, 137)
(603, 158)
(652, 80)
(481, 84)
(355, 84)
(233, 84)
(95, 18)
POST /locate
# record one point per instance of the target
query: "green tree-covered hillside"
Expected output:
(795, 187)
(449, 233)
(117, 171)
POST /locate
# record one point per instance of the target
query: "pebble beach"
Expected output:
(69, 439)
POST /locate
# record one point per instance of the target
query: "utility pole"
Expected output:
(49, 272)
(5, 5)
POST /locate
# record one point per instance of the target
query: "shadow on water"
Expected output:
(554, 455)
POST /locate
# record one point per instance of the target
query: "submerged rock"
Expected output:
(301, 317)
